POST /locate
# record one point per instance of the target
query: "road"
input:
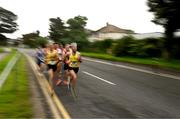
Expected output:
(129, 94)
(109, 91)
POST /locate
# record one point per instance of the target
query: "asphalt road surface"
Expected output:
(109, 91)
(106, 91)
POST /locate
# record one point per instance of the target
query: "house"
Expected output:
(114, 32)
(140, 36)
(109, 32)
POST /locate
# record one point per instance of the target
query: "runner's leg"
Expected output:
(73, 77)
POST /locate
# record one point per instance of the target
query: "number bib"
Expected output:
(74, 64)
(52, 62)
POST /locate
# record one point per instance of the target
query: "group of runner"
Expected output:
(64, 61)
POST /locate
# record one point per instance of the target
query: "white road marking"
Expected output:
(98, 78)
(135, 69)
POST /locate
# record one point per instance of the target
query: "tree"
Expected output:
(123, 46)
(41, 41)
(7, 21)
(7, 24)
(76, 30)
(57, 29)
(78, 22)
(73, 31)
(167, 14)
(34, 40)
(3, 40)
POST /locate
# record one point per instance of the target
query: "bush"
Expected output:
(123, 47)
(1, 50)
(3, 40)
(100, 46)
(128, 46)
(40, 41)
(153, 47)
(175, 50)
(83, 44)
(36, 42)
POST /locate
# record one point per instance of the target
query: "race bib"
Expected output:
(74, 64)
(52, 62)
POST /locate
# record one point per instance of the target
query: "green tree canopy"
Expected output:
(72, 31)
(7, 21)
(34, 40)
(78, 22)
(3, 40)
(76, 30)
(166, 13)
(57, 29)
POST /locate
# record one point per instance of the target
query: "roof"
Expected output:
(113, 29)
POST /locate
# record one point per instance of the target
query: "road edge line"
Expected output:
(57, 105)
(135, 69)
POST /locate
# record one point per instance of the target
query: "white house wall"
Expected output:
(102, 36)
(111, 35)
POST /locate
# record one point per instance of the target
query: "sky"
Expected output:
(34, 15)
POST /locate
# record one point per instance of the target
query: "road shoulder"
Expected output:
(40, 106)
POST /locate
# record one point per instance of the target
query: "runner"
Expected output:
(51, 61)
(65, 59)
(74, 63)
(40, 55)
(60, 53)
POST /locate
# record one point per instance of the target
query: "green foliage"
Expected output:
(100, 46)
(41, 41)
(128, 46)
(1, 50)
(123, 46)
(167, 14)
(29, 39)
(34, 40)
(106, 44)
(153, 47)
(78, 22)
(14, 94)
(57, 29)
(158, 62)
(74, 32)
(65, 41)
(6, 59)
(175, 50)
(3, 40)
(7, 21)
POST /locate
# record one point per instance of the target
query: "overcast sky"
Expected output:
(34, 14)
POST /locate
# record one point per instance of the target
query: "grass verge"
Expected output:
(6, 59)
(1, 50)
(14, 94)
(160, 63)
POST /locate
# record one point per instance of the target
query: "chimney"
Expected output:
(107, 24)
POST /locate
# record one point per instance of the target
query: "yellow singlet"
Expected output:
(52, 57)
(74, 62)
